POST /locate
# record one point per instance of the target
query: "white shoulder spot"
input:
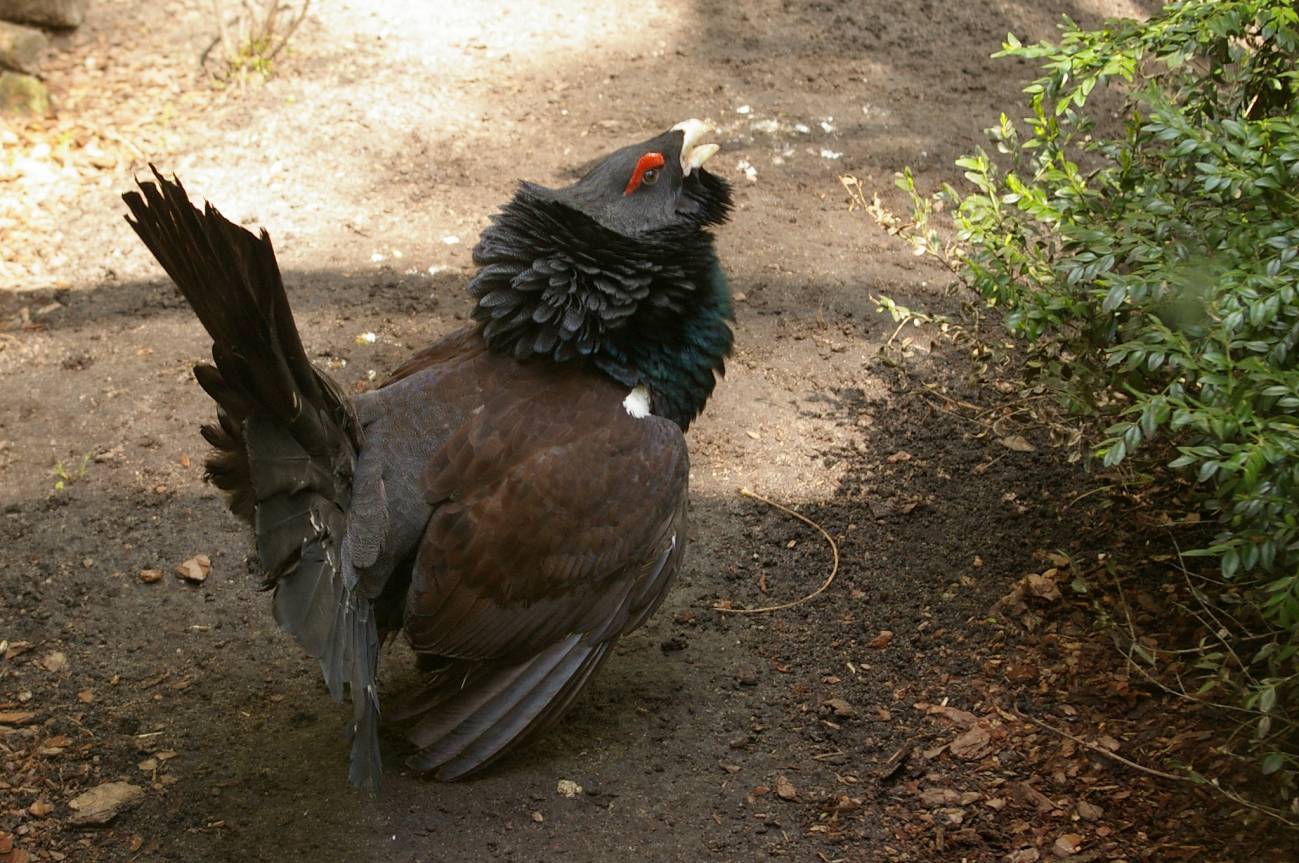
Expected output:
(637, 402)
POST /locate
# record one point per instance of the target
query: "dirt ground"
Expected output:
(884, 720)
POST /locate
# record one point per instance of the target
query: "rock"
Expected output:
(568, 788)
(23, 94)
(46, 13)
(195, 570)
(102, 803)
(21, 48)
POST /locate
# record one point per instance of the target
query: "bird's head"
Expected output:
(649, 188)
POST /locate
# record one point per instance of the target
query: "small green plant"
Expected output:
(1151, 265)
(63, 477)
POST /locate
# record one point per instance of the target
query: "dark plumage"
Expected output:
(513, 498)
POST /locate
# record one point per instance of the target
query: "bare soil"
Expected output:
(883, 720)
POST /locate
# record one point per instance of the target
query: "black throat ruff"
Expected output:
(654, 310)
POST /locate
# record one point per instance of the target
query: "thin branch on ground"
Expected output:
(834, 567)
(1100, 750)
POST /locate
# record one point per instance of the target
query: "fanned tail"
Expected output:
(286, 440)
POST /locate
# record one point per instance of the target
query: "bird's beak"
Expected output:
(694, 154)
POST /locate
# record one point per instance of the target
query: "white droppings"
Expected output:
(750, 172)
(450, 239)
(827, 125)
(769, 127)
(802, 129)
(744, 109)
(827, 153)
(376, 257)
(366, 339)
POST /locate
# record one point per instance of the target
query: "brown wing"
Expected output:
(559, 522)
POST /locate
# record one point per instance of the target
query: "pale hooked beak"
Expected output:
(694, 154)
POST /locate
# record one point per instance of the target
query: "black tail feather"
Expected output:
(286, 439)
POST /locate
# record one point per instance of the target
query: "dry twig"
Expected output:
(834, 567)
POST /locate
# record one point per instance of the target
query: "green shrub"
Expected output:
(1150, 258)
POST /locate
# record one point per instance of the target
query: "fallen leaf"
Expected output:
(53, 662)
(900, 455)
(785, 789)
(195, 570)
(841, 708)
(16, 648)
(40, 808)
(150, 576)
(960, 717)
(1017, 443)
(938, 796)
(974, 743)
(1067, 845)
(102, 803)
(16, 717)
(1023, 855)
(86, 696)
(1089, 811)
(880, 641)
(1043, 586)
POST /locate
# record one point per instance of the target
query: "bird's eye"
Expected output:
(646, 172)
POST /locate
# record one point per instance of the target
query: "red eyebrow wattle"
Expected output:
(648, 161)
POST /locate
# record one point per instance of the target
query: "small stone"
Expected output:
(150, 576)
(568, 788)
(538, 817)
(195, 570)
(881, 641)
(46, 13)
(785, 789)
(21, 48)
(23, 94)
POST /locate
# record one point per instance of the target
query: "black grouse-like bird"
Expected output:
(513, 498)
